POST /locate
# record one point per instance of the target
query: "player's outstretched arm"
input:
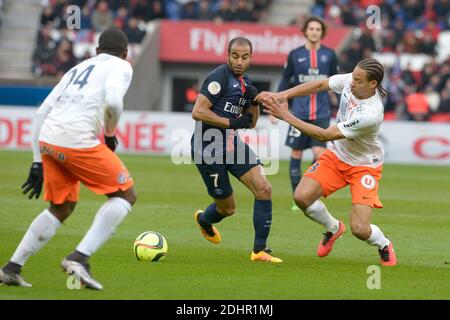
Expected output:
(280, 109)
(304, 89)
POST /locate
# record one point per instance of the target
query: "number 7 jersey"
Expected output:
(77, 103)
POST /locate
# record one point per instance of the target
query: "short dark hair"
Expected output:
(375, 71)
(240, 41)
(315, 19)
(113, 41)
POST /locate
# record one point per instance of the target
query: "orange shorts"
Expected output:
(334, 174)
(98, 168)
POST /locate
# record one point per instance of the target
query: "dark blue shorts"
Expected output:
(299, 141)
(215, 175)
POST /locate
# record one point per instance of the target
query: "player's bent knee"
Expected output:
(302, 200)
(264, 192)
(62, 211)
(296, 154)
(129, 195)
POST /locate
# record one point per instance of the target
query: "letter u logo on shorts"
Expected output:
(368, 181)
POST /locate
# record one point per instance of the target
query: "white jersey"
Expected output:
(360, 122)
(77, 103)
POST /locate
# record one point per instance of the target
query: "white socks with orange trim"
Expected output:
(377, 238)
(40, 231)
(108, 218)
(318, 212)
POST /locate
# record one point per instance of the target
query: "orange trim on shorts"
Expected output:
(334, 174)
(98, 168)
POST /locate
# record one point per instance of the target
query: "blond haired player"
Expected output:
(66, 151)
(355, 157)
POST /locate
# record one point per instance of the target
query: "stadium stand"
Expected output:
(1, 12)
(411, 40)
(132, 16)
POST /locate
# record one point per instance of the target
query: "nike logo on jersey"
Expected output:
(235, 85)
(301, 60)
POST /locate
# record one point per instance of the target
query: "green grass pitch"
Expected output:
(415, 217)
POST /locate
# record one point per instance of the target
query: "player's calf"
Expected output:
(360, 230)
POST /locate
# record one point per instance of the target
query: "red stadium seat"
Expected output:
(390, 116)
(440, 117)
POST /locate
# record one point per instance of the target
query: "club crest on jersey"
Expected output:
(214, 87)
(368, 182)
(122, 178)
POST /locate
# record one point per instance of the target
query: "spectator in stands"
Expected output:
(224, 13)
(132, 31)
(366, 40)
(115, 5)
(260, 9)
(204, 11)
(121, 18)
(102, 17)
(44, 53)
(347, 14)
(64, 59)
(85, 18)
(243, 12)
(190, 10)
(157, 10)
(48, 16)
(143, 10)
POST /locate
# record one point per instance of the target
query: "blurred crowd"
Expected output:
(404, 27)
(55, 54)
(1, 12)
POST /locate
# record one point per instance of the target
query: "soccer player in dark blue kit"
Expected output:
(309, 62)
(224, 105)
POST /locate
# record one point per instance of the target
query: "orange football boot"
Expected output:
(326, 245)
(387, 255)
(215, 237)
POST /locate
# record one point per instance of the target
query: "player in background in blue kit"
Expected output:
(224, 105)
(312, 61)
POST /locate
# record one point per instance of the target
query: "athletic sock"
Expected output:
(262, 220)
(377, 238)
(41, 230)
(319, 213)
(78, 256)
(12, 268)
(209, 216)
(295, 172)
(107, 219)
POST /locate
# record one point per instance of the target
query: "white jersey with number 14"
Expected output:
(77, 103)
